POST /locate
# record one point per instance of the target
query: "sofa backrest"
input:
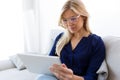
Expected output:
(112, 45)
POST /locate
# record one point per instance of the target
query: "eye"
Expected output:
(73, 19)
(64, 20)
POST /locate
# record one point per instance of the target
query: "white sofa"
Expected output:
(112, 45)
(10, 71)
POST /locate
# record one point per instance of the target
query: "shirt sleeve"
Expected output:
(96, 59)
(53, 50)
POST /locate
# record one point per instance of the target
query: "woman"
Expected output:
(81, 52)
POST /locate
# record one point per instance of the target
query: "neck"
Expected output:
(81, 33)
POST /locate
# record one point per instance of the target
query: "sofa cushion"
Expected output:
(6, 64)
(15, 74)
(112, 45)
(17, 62)
(102, 71)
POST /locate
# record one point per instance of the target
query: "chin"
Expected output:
(73, 31)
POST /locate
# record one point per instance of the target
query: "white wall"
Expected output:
(104, 16)
(31, 25)
(49, 14)
(11, 28)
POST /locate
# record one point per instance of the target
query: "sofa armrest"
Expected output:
(6, 64)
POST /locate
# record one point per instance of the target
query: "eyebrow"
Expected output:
(69, 17)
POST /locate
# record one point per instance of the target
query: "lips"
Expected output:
(72, 28)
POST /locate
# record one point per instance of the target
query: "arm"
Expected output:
(53, 50)
(96, 59)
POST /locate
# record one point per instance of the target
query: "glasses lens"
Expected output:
(73, 19)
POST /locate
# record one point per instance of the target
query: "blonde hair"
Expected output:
(78, 7)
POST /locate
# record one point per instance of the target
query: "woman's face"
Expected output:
(72, 21)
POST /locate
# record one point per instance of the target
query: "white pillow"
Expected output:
(17, 62)
(6, 64)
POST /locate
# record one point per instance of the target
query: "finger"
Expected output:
(62, 70)
(57, 71)
(63, 78)
(60, 73)
(53, 69)
(66, 75)
(64, 65)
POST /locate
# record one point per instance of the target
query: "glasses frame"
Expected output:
(72, 19)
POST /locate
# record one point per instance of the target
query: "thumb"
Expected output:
(63, 65)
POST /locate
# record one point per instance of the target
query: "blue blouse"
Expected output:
(85, 59)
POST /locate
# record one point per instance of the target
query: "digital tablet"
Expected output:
(39, 64)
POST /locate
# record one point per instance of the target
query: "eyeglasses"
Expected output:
(73, 19)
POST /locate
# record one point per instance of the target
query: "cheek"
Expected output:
(80, 25)
(80, 22)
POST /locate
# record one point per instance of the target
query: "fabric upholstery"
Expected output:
(112, 45)
(17, 62)
(103, 71)
(6, 64)
(15, 74)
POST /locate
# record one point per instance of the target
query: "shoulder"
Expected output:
(58, 36)
(95, 36)
(96, 39)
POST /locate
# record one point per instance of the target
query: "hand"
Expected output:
(62, 72)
